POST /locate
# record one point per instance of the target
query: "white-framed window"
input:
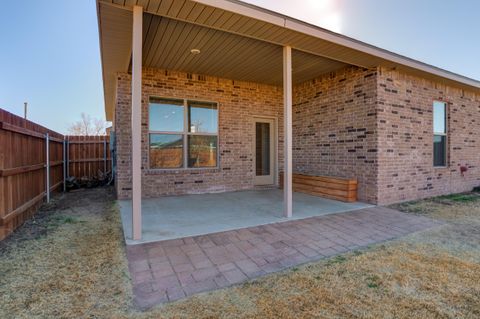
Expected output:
(182, 134)
(439, 134)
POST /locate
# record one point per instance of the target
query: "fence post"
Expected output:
(47, 177)
(64, 166)
(104, 157)
(67, 156)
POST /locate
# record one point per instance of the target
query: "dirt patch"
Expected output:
(74, 266)
(39, 225)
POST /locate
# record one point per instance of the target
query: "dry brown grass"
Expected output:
(398, 281)
(456, 208)
(79, 270)
(73, 269)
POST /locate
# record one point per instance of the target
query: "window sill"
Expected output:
(161, 171)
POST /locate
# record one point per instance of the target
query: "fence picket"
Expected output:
(23, 169)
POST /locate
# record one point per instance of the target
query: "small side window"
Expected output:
(439, 134)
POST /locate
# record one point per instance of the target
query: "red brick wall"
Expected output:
(238, 103)
(373, 125)
(405, 126)
(334, 127)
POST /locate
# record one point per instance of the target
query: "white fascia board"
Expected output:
(245, 10)
(254, 12)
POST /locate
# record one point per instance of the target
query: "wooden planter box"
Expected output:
(341, 189)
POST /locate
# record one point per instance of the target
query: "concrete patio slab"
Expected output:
(192, 215)
(174, 269)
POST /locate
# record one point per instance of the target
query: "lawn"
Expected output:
(69, 262)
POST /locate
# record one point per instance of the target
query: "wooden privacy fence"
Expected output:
(35, 161)
(87, 156)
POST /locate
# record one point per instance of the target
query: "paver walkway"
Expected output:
(173, 269)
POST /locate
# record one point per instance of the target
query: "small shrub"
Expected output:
(337, 260)
(414, 207)
(373, 281)
(69, 220)
(460, 198)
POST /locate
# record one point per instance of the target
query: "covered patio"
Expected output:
(174, 55)
(175, 217)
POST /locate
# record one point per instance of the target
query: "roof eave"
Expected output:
(108, 112)
(259, 13)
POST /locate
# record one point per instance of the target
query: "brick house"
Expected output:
(226, 96)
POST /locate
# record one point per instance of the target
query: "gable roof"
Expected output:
(265, 30)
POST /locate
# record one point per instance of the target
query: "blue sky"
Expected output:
(50, 54)
(50, 58)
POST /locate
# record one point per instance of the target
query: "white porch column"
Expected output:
(287, 115)
(137, 123)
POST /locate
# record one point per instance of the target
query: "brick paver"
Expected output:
(174, 269)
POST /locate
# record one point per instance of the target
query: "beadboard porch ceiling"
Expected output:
(238, 41)
(167, 44)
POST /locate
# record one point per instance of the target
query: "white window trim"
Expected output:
(445, 134)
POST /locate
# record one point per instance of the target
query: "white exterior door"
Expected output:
(264, 151)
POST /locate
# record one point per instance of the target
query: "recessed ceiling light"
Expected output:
(195, 51)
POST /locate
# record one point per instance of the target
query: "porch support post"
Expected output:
(137, 123)
(287, 115)
(47, 166)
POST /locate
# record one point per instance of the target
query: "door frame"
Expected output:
(274, 121)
